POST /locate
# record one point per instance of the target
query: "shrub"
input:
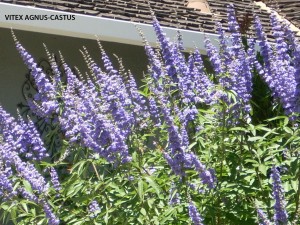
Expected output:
(186, 148)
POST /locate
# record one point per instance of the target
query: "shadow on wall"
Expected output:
(13, 70)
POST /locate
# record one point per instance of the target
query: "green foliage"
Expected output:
(140, 192)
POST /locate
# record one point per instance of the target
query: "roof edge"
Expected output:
(280, 17)
(89, 27)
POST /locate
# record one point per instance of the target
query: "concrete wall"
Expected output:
(13, 70)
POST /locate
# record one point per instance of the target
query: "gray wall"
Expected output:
(13, 70)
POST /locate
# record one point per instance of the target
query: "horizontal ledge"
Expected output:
(88, 27)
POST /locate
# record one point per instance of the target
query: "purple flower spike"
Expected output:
(166, 47)
(31, 141)
(155, 64)
(54, 179)
(263, 220)
(285, 72)
(294, 47)
(173, 198)
(205, 88)
(234, 29)
(214, 57)
(6, 185)
(280, 71)
(194, 215)
(52, 219)
(30, 173)
(280, 215)
(207, 175)
(46, 95)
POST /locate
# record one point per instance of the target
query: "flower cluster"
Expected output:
(280, 212)
(280, 215)
(94, 209)
(20, 139)
(194, 214)
(281, 67)
(100, 114)
(232, 64)
(104, 111)
(46, 95)
(54, 179)
(21, 136)
(263, 220)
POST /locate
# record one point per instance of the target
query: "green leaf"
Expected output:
(79, 222)
(263, 169)
(277, 118)
(154, 185)
(288, 130)
(27, 186)
(140, 220)
(254, 162)
(237, 129)
(141, 189)
(13, 214)
(150, 202)
(254, 139)
(294, 184)
(143, 211)
(24, 206)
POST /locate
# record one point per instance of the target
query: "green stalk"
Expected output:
(96, 171)
(222, 159)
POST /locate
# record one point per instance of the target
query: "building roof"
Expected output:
(179, 14)
(170, 13)
(289, 9)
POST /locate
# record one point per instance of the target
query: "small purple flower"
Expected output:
(94, 209)
(174, 199)
(131, 178)
(173, 195)
(192, 186)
